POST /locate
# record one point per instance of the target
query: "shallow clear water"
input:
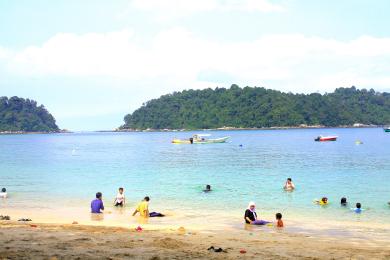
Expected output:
(65, 170)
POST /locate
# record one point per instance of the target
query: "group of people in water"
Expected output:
(250, 215)
(343, 202)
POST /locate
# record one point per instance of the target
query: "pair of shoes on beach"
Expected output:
(218, 250)
(5, 217)
(24, 219)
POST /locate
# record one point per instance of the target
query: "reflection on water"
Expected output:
(97, 216)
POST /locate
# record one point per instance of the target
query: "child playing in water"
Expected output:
(323, 201)
(120, 198)
(358, 208)
(97, 204)
(143, 208)
(3, 193)
(343, 201)
(279, 222)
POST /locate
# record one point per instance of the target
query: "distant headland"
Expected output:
(259, 108)
(22, 116)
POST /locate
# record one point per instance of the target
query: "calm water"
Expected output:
(60, 170)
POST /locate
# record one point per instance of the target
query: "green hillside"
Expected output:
(259, 107)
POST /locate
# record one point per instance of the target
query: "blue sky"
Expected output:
(92, 62)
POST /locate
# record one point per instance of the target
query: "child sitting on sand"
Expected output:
(279, 222)
(3, 193)
(323, 201)
(143, 208)
(97, 204)
(120, 198)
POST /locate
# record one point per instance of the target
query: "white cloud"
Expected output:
(175, 58)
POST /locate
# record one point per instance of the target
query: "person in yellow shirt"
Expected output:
(143, 208)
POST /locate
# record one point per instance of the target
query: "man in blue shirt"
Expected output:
(97, 204)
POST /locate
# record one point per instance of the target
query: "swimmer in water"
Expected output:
(358, 208)
(323, 201)
(208, 188)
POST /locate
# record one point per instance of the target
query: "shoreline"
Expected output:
(240, 129)
(60, 241)
(32, 133)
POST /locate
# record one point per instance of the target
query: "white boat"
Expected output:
(200, 139)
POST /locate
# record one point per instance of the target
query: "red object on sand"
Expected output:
(242, 251)
(139, 229)
(32, 225)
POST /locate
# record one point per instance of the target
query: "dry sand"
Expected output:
(50, 241)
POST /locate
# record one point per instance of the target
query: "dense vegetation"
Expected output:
(18, 114)
(260, 107)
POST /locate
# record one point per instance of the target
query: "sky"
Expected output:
(91, 62)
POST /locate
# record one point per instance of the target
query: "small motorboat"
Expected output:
(325, 138)
(200, 139)
(386, 129)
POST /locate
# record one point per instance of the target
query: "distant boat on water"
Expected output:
(386, 129)
(325, 138)
(200, 139)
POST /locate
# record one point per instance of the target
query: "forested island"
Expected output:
(24, 115)
(257, 107)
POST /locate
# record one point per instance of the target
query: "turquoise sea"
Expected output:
(66, 170)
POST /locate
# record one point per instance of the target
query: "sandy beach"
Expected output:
(72, 241)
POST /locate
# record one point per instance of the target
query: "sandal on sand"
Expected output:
(217, 250)
(24, 219)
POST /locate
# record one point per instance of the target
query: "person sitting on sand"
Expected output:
(3, 193)
(323, 201)
(358, 208)
(120, 198)
(143, 208)
(343, 202)
(251, 215)
(289, 185)
(208, 188)
(279, 222)
(97, 204)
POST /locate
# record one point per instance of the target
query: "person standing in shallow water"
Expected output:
(289, 185)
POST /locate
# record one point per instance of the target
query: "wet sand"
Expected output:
(72, 241)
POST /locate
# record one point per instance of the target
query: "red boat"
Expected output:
(326, 138)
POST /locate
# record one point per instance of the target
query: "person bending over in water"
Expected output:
(343, 202)
(143, 208)
(208, 188)
(97, 204)
(289, 185)
(120, 198)
(251, 215)
(323, 201)
(279, 222)
(3, 193)
(358, 208)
